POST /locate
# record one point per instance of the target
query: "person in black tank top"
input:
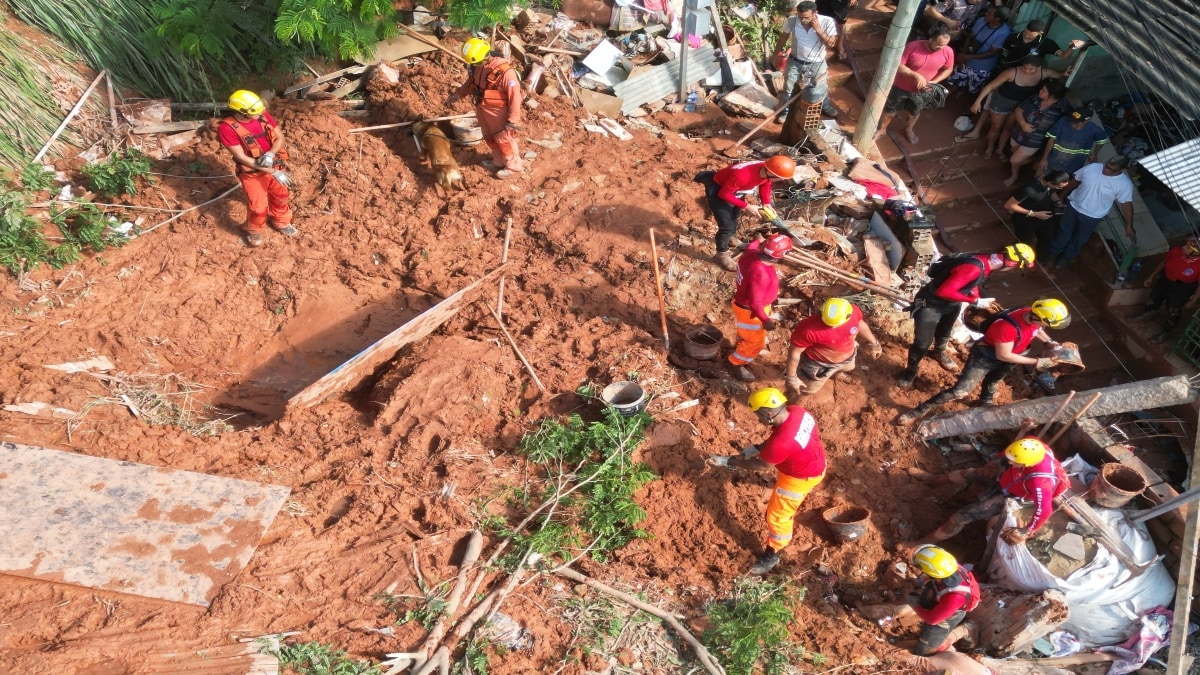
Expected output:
(1000, 97)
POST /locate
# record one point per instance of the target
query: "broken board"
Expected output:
(399, 47)
(600, 104)
(351, 372)
(125, 527)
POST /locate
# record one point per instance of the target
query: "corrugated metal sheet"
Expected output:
(663, 80)
(1177, 168)
(1153, 41)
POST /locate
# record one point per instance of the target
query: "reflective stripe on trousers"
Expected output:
(751, 338)
(786, 498)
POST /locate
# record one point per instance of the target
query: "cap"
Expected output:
(1036, 26)
(1081, 113)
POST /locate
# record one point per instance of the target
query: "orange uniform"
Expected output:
(496, 90)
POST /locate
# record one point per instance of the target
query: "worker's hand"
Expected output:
(1077, 44)
(984, 303)
(719, 460)
(770, 324)
(284, 179)
(266, 161)
(750, 452)
(1040, 167)
(754, 210)
(1044, 364)
(1052, 347)
(1015, 535)
(793, 383)
(512, 126)
(876, 350)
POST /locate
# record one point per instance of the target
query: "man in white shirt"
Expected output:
(1097, 188)
(810, 34)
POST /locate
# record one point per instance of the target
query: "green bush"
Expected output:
(235, 36)
(345, 29)
(118, 174)
(318, 658)
(473, 15)
(22, 244)
(35, 177)
(749, 633)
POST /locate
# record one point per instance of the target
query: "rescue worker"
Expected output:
(1174, 283)
(1036, 476)
(495, 88)
(953, 282)
(794, 449)
(255, 140)
(757, 290)
(948, 594)
(724, 189)
(825, 344)
(1007, 338)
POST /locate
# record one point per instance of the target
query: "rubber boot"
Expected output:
(766, 563)
(906, 379)
(725, 260)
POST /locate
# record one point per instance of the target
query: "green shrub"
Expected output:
(235, 36)
(475, 15)
(118, 174)
(344, 29)
(749, 631)
(35, 177)
(318, 658)
(22, 244)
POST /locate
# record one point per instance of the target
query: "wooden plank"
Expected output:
(601, 104)
(352, 70)
(125, 527)
(170, 127)
(1186, 578)
(348, 374)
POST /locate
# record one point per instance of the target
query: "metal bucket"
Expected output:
(703, 342)
(848, 523)
(1115, 485)
(628, 398)
(466, 130)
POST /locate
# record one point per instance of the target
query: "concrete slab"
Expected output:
(131, 528)
(1070, 545)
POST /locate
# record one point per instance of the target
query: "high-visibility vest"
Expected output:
(487, 79)
(967, 586)
(250, 141)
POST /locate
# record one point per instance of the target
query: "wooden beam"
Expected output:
(169, 127)
(352, 70)
(351, 372)
(1186, 578)
(70, 116)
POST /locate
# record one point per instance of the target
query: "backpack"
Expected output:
(940, 271)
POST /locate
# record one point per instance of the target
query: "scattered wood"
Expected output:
(70, 116)
(513, 343)
(1010, 622)
(749, 100)
(474, 547)
(102, 363)
(1186, 578)
(658, 286)
(503, 259)
(556, 50)
(199, 107)
(335, 75)
(432, 43)
(398, 125)
(706, 659)
(112, 102)
(170, 127)
(39, 409)
(1074, 418)
(1054, 417)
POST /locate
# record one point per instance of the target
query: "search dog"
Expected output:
(435, 147)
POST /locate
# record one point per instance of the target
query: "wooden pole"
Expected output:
(432, 43)
(513, 343)
(504, 259)
(765, 122)
(406, 124)
(726, 66)
(1046, 427)
(662, 305)
(826, 268)
(885, 73)
(1186, 578)
(71, 115)
(1074, 418)
(112, 101)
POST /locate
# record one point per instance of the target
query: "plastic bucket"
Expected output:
(848, 523)
(466, 130)
(1116, 485)
(628, 398)
(702, 342)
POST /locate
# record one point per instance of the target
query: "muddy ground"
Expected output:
(377, 246)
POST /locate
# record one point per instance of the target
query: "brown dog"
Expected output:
(436, 149)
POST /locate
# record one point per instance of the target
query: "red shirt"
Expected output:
(742, 177)
(757, 282)
(1039, 484)
(795, 447)
(828, 344)
(1003, 331)
(918, 57)
(229, 137)
(1178, 267)
(960, 591)
(961, 276)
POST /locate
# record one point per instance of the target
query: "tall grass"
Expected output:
(119, 36)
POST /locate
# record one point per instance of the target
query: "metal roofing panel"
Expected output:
(1179, 168)
(660, 81)
(1153, 41)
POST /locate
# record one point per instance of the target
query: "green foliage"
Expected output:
(318, 658)
(475, 657)
(749, 632)
(229, 35)
(28, 114)
(338, 28)
(473, 15)
(759, 32)
(22, 244)
(425, 612)
(35, 177)
(86, 226)
(118, 174)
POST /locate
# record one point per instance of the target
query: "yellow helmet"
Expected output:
(770, 397)
(836, 311)
(246, 102)
(1019, 255)
(1052, 312)
(1192, 247)
(935, 561)
(1026, 452)
(475, 50)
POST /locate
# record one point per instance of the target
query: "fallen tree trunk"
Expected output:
(1145, 394)
(1009, 622)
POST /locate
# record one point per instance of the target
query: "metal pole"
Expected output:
(683, 56)
(889, 63)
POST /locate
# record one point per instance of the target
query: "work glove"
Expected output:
(793, 383)
(984, 303)
(284, 179)
(719, 460)
(876, 350)
(1044, 364)
(266, 161)
(770, 324)
(750, 452)
(513, 127)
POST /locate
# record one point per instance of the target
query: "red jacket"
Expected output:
(958, 591)
(1040, 484)
(742, 177)
(962, 276)
(757, 282)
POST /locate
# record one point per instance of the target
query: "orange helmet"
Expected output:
(781, 166)
(777, 245)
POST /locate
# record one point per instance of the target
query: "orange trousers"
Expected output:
(501, 140)
(751, 336)
(786, 498)
(266, 198)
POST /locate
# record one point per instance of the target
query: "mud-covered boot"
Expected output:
(765, 564)
(945, 360)
(907, 378)
(725, 260)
